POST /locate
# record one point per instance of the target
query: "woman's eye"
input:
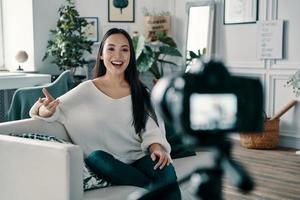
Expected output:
(126, 50)
(110, 49)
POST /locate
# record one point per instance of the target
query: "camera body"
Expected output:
(211, 101)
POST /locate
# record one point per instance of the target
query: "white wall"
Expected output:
(96, 8)
(26, 26)
(44, 18)
(236, 44)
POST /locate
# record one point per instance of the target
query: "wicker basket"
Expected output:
(268, 139)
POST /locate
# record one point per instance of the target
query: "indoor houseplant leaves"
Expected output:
(192, 55)
(68, 42)
(152, 56)
(294, 82)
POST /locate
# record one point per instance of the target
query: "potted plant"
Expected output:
(192, 55)
(153, 55)
(69, 43)
(294, 82)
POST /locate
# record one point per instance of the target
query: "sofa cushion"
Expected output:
(90, 179)
(178, 148)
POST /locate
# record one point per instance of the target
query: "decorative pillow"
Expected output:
(90, 179)
(179, 148)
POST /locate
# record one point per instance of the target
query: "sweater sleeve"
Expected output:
(34, 110)
(154, 134)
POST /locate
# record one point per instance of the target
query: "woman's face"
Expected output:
(116, 54)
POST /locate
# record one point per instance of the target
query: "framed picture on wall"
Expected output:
(240, 11)
(91, 29)
(121, 10)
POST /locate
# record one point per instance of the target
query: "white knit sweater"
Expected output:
(96, 121)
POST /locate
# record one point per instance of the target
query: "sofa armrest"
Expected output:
(35, 170)
(34, 126)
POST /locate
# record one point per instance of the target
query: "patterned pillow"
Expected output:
(90, 179)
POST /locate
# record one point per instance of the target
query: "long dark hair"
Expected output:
(141, 104)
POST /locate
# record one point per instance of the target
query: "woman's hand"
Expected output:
(48, 106)
(158, 152)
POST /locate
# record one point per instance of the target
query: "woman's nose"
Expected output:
(119, 54)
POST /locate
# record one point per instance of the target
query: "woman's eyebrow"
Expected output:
(125, 45)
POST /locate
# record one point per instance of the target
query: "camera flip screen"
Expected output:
(213, 112)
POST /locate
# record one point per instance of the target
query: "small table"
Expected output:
(11, 80)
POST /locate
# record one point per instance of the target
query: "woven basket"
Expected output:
(268, 139)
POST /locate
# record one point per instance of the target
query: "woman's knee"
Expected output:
(98, 154)
(168, 174)
(99, 160)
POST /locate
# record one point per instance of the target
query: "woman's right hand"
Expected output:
(48, 106)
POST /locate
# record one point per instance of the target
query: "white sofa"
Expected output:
(39, 170)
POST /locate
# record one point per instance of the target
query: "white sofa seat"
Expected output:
(35, 170)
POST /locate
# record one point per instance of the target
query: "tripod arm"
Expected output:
(237, 174)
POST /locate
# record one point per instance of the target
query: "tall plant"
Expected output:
(153, 56)
(68, 43)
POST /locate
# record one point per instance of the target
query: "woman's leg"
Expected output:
(159, 177)
(115, 171)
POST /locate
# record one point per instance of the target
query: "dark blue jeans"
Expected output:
(140, 173)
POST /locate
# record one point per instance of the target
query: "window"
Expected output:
(1, 40)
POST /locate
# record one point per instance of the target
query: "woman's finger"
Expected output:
(46, 102)
(169, 161)
(47, 94)
(160, 161)
(153, 156)
(52, 105)
(164, 163)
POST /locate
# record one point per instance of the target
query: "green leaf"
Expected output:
(138, 44)
(167, 62)
(168, 40)
(144, 62)
(193, 55)
(168, 50)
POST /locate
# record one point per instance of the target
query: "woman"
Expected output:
(112, 119)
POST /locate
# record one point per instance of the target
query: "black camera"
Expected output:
(210, 101)
(206, 104)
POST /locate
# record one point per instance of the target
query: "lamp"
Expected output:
(21, 57)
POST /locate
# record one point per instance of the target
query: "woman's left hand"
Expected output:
(158, 152)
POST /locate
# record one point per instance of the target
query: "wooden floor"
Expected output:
(275, 172)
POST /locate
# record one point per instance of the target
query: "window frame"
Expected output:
(2, 67)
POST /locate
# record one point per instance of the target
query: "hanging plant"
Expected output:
(120, 4)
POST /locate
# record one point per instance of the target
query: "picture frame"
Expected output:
(121, 11)
(240, 11)
(91, 29)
